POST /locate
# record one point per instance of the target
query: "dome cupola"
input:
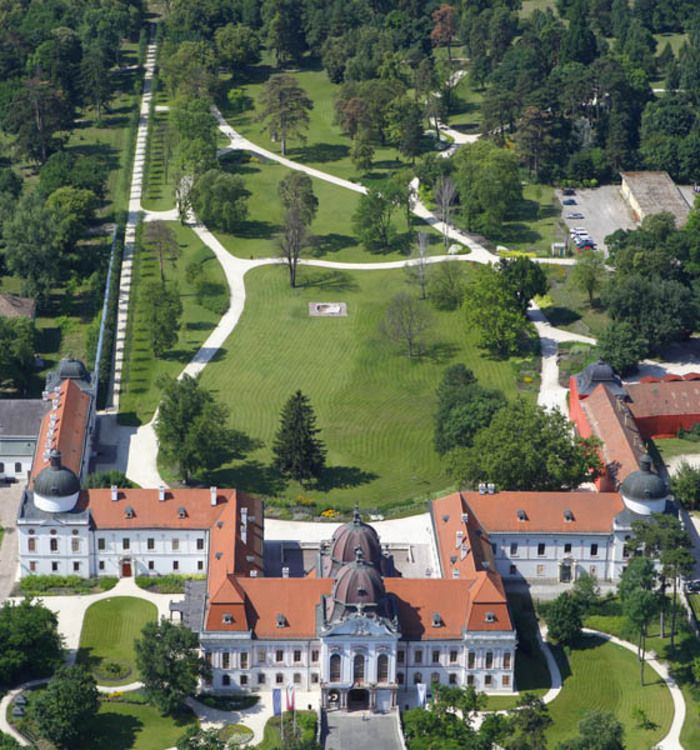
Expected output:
(358, 588)
(56, 487)
(351, 536)
(643, 491)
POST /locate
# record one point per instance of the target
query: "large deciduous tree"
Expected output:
(564, 618)
(161, 238)
(296, 191)
(444, 28)
(597, 730)
(372, 220)
(220, 200)
(299, 452)
(622, 346)
(292, 241)
(188, 69)
(163, 310)
(588, 274)
(527, 448)
(237, 46)
(522, 279)
(64, 710)
(285, 109)
(17, 347)
(168, 659)
(406, 323)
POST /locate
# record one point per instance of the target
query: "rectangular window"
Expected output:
(297, 656)
(506, 660)
(31, 544)
(175, 545)
(200, 564)
(594, 550)
(244, 680)
(470, 680)
(226, 660)
(244, 660)
(150, 543)
(506, 680)
(32, 566)
(513, 570)
(279, 678)
(200, 544)
(279, 655)
(453, 679)
(314, 656)
(101, 543)
(567, 548)
(75, 545)
(297, 678)
(436, 656)
(126, 543)
(18, 468)
(76, 567)
(101, 565)
(400, 657)
(540, 570)
(176, 565)
(471, 660)
(453, 656)
(151, 565)
(489, 659)
(540, 549)
(488, 680)
(513, 548)
(314, 678)
(418, 656)
(261, 678)
(53, 545)
(261, 656)
(54, 567)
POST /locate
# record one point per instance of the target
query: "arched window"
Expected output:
(434, 677)
(382, 668)
(399, 678)
(417, 677)
(358, 668)
(225, 680)
(335, 668)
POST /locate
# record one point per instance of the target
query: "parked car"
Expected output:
(575, 216)
(568, 202)
(693, 587)
(568, 191)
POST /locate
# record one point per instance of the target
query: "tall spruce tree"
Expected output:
(299, 454)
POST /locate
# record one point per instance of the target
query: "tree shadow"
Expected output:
(332, 280)
(111, 731)
(177, 355)
(561, 316)
(200, 326)
(256, 230)
(250, 476)
(440, 352)
(321, 152)
(343, 477)
(320, 245)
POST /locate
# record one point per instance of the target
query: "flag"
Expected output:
(290, 697)
(420, 687)
(276, 702)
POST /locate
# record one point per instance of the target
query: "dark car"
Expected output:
(568, 191)
(568, 202)
(692, 587)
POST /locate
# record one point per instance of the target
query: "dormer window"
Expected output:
(522, 515)
(228, 619)
(490, 617)
(437, 620)
(219, 555)
(281, 620)
(128, 512)
(181, 512)
(568, 515)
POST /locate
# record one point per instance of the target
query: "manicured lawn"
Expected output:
(159, 182)
(331, 235)
(670, 447)
(466, 112)
(129, 726)
(326, 147)
(603, 676)
(610, 620)
(675, 40)
(272, 739)
(534, 224)
(109, 630)
(567, 307)
(529, 6)
(374, 405)
(140, 395)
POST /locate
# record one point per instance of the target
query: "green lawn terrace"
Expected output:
(203, 301)
(375, 406)
(107, 638)
(326, 147)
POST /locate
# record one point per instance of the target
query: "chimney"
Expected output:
(212, 496)
(115, 493)
(161, 493)
(460, 536)
(285, 572)
(491, 488)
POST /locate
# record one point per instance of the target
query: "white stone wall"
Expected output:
(10, 466)
(348, 648)
(72, 555)
(532, 565)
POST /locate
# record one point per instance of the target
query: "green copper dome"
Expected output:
(56, 480)
(644, 485)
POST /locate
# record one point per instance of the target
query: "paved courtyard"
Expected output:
(362, 731)
(10, 496)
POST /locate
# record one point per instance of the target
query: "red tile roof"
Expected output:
(593, 512)
(676, 398)
(71, 412)
(612, 421)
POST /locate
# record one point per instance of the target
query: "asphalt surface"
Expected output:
(362, 731)
(10, 496)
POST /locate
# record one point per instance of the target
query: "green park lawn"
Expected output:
(331, 236)
(140, 395)
(466, 113)
(109, 630)
(567, 307)
(374, 406)
(670, 447)
(603, 676)
(326, 147)
(159, 176)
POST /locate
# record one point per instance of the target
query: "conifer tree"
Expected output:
(299, 454)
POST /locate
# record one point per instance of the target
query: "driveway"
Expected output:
(10, 496)
(603, 209)
(361, 731)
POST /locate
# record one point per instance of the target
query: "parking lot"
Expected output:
(603, 210)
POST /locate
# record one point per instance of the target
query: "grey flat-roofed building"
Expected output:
(20, 420)
(650, 193)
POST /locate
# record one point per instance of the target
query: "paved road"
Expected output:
(10, 496)
(362, 731)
